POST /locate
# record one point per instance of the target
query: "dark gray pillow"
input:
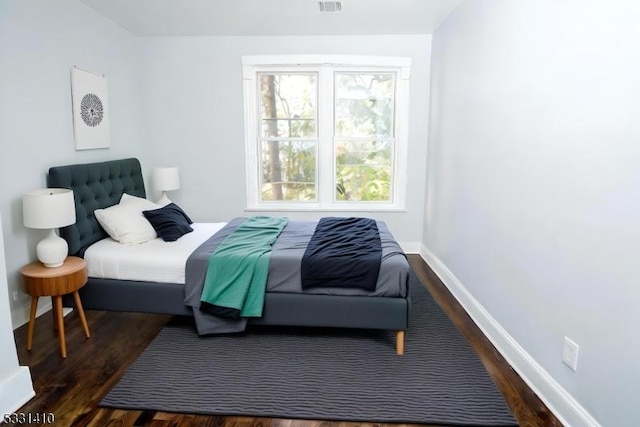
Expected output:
(170, 222)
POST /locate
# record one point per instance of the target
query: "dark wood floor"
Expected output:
(71, 388)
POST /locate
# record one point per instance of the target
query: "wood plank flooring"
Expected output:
(71, 388)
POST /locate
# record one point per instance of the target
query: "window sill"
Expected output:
(324, 209)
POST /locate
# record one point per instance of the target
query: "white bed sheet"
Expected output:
(153, 261)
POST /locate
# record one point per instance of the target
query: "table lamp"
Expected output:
(163, 180)
(49, 208)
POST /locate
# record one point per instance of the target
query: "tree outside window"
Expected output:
(288, 136)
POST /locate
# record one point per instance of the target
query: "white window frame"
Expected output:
(325, 65)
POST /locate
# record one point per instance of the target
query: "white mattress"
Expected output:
(153, 261)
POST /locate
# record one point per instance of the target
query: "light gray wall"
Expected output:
(195, 119)
(40, 40)
(533, 192)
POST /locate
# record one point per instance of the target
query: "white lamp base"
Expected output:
(163, 200)
(52, 250)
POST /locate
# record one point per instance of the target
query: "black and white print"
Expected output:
(90, 109)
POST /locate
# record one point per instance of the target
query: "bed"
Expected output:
(100, 185)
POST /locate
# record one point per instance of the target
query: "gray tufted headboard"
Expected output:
(95, 186)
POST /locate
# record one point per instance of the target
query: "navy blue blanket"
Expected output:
(343, 252)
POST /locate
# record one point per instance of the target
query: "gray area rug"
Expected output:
(326, 374)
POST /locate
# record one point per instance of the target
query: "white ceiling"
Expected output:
(274, 17)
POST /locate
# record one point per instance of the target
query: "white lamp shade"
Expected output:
(165, 179)
(48, 208)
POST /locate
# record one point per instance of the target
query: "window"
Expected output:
(288, 137)
(326, 132)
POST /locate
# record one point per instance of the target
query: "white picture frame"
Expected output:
(90, 106)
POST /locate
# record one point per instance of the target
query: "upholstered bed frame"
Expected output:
(99, 185)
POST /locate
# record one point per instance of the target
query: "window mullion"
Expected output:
(326, 171)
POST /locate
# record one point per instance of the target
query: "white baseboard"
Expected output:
(16, 390)
(557, 399)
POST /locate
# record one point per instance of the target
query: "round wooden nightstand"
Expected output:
(42, 281)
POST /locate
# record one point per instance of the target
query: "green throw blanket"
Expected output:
(237, 274)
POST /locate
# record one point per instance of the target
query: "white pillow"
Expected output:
(125, 222)
(129, 198)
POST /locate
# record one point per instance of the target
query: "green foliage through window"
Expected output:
(288, 151)
(363, 136)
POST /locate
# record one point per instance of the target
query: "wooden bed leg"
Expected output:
(400, 343)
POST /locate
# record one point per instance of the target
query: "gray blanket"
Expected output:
(284, 272)
(195, 272)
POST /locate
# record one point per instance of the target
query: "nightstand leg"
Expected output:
(63, 344)
(83, 319)
(32, 321)
(54, 313)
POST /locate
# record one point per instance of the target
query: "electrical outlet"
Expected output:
(16, 295)
(570, 353)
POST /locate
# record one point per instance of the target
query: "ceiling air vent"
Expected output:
(330, 6)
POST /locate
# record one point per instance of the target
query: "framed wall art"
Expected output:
(90, 110)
